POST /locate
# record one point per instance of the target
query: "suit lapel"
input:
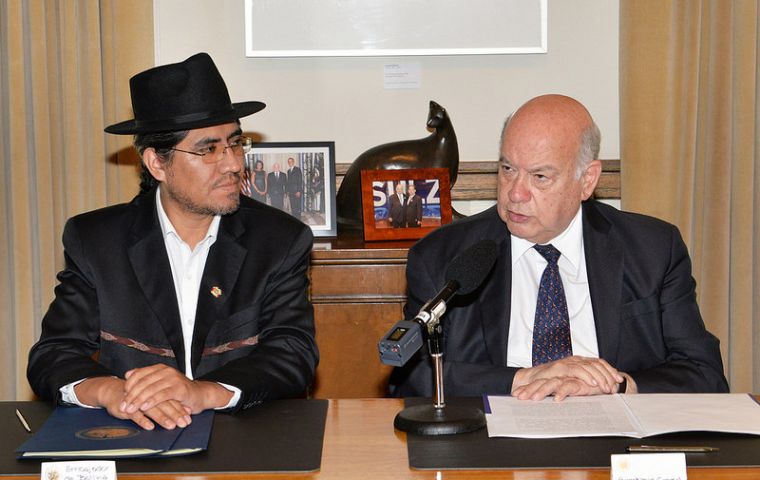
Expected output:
(604, 265)
(220, 274)
(495, 298)
(150, 264)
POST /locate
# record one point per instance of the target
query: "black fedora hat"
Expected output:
(181, 96)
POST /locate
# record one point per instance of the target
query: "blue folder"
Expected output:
(85, 433)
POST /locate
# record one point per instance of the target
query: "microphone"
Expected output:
(464, 275)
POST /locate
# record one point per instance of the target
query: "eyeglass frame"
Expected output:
(247, 145)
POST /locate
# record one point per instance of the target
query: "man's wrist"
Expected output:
(214, 394)
(520, 378)
(98, 391)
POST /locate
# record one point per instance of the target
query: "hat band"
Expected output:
(179, 120)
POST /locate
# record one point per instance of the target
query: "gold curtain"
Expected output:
(64, 68)
(689, 97)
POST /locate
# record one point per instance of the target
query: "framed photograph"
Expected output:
(405, 204)
(296, 177)
(357, 28)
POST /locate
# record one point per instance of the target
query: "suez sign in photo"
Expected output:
(427, 189)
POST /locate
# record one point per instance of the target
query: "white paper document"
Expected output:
(616, 415)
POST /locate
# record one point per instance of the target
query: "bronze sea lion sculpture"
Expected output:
(437, 150)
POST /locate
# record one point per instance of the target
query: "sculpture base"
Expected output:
(350, 224)
(449, 420)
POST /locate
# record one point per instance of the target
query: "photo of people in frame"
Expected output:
(404, 204)
(292, 179)
(407, 203)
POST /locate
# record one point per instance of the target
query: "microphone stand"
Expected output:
(438, 419)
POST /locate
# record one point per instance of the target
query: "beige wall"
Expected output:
(343, 99)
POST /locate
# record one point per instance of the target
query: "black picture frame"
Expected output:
(316, 162)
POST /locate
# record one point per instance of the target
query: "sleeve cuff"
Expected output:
(69, 396)
(235, 396)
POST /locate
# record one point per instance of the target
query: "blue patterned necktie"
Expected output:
(551, 328)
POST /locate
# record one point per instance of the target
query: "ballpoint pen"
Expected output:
(23, 421)
(671, 448)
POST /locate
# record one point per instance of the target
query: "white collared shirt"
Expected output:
(187, 269)
(527, 267)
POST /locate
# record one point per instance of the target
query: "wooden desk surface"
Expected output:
(361, 444)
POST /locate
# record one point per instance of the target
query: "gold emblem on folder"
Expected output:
(107, 433)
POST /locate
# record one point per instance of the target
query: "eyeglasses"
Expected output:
(210, 154)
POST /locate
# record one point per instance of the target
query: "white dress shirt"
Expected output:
(527, 267)
(187, 270)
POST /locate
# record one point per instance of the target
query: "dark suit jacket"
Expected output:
(413, 214)
(643, 298)
(254, 326)
(295, 180)
(397, 211)
(276, 188)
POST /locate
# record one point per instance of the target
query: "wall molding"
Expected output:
(477, 180)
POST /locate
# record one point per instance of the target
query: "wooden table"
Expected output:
(361, 444)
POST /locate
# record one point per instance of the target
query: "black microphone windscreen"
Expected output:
(470, 267)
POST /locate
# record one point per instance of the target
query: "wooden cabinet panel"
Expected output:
(347, 335)
(358, 291)
(358, 282)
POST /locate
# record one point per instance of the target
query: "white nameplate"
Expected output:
(79, 470)
(649, 466)
(402, 75)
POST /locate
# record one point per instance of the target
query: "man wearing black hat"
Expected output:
(191, 296)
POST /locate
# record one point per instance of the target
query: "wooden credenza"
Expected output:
(358, 291)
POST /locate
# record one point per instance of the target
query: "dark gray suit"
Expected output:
(413, 212)
(254, 326)
(397, 211)
(294, 187)
(643, 298)
(276, 188)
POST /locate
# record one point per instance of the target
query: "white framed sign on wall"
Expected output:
(340, 28)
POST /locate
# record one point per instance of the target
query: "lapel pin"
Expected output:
(216, 292)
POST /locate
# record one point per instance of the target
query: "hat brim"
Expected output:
(239, 110)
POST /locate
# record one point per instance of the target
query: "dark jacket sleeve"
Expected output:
(668, 326)
(70, 328)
